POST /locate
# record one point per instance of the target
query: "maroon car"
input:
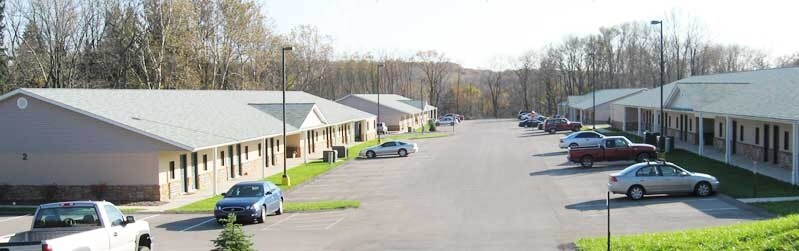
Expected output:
(612, 148)
(561, 124)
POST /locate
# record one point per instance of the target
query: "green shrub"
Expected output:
(432, 125)
(233, 238)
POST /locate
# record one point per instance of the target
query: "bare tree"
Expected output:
(436, 68)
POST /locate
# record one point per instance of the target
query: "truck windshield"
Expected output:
(79, 216)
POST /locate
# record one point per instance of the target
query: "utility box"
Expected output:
(329, 156)
(651, 138)
(341, 151)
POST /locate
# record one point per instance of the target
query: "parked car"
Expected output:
(80, 225)
(446, 121)
(612, 148)
(394, 147)
(561, 124)
(576, 139)
(532, 122)
(382, 128)
(660, 177)
(457, 117)
(250, 201)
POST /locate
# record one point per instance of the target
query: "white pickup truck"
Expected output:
(80, 225)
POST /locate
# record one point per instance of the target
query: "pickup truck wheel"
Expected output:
(641, 157)
(587, 161)
(402, 152)
(143, 248)
(703, 189)
(262, 219)
(636, 192)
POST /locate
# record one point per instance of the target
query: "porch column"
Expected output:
(263, 158)
(304, 146)
(639, 121)
(216, 159)
(582, 116)
(656, 122)
(727, 140)
(795, 154)
(701, 128)
(624, 119)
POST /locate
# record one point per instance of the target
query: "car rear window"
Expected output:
(78, 216)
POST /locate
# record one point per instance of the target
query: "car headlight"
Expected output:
(218, 207)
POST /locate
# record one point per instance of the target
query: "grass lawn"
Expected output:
(782, 208)
(735, 181)
(207, 205)
(775, 234)
(302, 173)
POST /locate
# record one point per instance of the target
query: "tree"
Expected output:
(232, 237)
(435, 66)
(523, 68)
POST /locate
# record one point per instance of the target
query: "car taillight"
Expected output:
(46, 247)
(613, 179)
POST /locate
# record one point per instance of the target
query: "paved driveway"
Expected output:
(491, 186)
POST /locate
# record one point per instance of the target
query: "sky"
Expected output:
(477, 33)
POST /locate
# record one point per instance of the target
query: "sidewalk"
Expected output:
(201, 195)
(767, 169)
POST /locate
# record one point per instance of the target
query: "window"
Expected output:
(388, 144)
(741, 134)
(616, 143)
(259, 149)
(246, 152)
(757, 135)
(690, 125)
(669, 171)
(205, 162)
(278, 145)
(172, 170)
(646, 171)
(669, 120)
(114, 215)
(721, 130)
(223, 158)
(785, 140)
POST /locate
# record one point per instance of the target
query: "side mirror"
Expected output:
(129, 220)
(268, 193)
(223, 194)
(684, 173)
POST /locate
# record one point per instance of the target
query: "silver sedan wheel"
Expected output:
(703, 189)
(636, 193)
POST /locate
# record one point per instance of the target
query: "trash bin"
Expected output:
(329, 156)
(341, 151)
(669, 143)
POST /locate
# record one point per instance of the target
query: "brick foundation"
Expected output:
(114, 193)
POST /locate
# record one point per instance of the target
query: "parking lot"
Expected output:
(490, 186)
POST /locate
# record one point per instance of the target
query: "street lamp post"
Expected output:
(593, 91)
(660, 118)
(286, 179)
(378, 100)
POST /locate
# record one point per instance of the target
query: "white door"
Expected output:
(119, 238)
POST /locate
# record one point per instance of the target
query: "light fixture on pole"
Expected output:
(660, 117)
(380, 65)
(286, 180)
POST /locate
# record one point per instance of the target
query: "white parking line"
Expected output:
(197, 225)
(150, 217)
(334, 223)
(278, 222)
(13, 218)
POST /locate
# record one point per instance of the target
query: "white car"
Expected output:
(586, 138)
(80, 225)
(446, 121)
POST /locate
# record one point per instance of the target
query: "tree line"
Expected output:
(232, 45)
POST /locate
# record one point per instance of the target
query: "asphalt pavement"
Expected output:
(490, 186)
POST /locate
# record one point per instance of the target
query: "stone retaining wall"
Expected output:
(114, 193)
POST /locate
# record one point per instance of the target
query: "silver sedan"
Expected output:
(660, 177)
(395, 147)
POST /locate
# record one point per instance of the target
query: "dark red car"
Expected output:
(612, 148)
(561, 124)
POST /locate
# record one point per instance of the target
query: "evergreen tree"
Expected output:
(233, 237)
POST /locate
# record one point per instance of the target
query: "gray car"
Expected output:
(394, 147)
(660, 177)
